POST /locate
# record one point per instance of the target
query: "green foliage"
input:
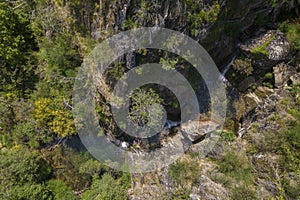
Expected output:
(26, 133)
(16, 45)
(145, 108)
(197, 17)
(236, 165)
(180, 194)
(117, 71)
(292, 186)
(243, 66)
(292, 31)
(168, 64)
(130, 23)
(23, 166)
(52, 114)
(228, 136)
(22, 173)
(268, 84)
(269, 76)
(108, 188)
(185, 172)
(60, 190)
(59, 57)
(243, 192)
(90, 167)
(67, 163)
(28, 192)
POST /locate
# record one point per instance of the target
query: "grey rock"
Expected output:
(283, 74)
(274, 45)
(194, 130)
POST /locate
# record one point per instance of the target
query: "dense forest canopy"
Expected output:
(42, 46)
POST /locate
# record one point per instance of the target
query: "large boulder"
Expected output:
(267, 49)
(195, 130)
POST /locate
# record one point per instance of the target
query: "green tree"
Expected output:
(60, 190)
(16, 46)
(108, 188)
(145, 109)
(22, 174)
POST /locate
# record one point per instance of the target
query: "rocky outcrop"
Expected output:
(267, 49)
(284, 75)
(209, 190)
(195, 130)
(258, 57)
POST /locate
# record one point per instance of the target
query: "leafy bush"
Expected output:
(243, 66)
(60, 190)
(228, 135)
(180, 194)
(67, 163)
(108, 188)
(53, 115)
(16, 46)
(22, 174)
(26, 133)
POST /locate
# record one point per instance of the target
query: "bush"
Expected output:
(145, 108)
(228, 136)
(236, 165)
(60, 190)
(243, 66)
(185, 172)
(26, 133)
(108, 188)
(292, 31)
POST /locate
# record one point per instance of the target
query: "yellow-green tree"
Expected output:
(54, 115)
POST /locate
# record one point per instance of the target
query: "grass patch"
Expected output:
(228, 136)
(237, 166)
(261, 50)
(185, 172)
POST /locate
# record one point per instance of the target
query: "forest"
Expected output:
(256, 47)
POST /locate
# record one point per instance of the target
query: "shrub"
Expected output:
(228, 136)
(243, 66)
(236, 165)
(292, 31)
(145, 108)
(26, 133)
(108, 188)
(185, 172)
(60, 190)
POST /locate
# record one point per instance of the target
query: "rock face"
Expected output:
(262, 53)
(195, 130)
(209, 190)
(284, 75)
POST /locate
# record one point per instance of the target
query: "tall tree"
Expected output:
(16, 45)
